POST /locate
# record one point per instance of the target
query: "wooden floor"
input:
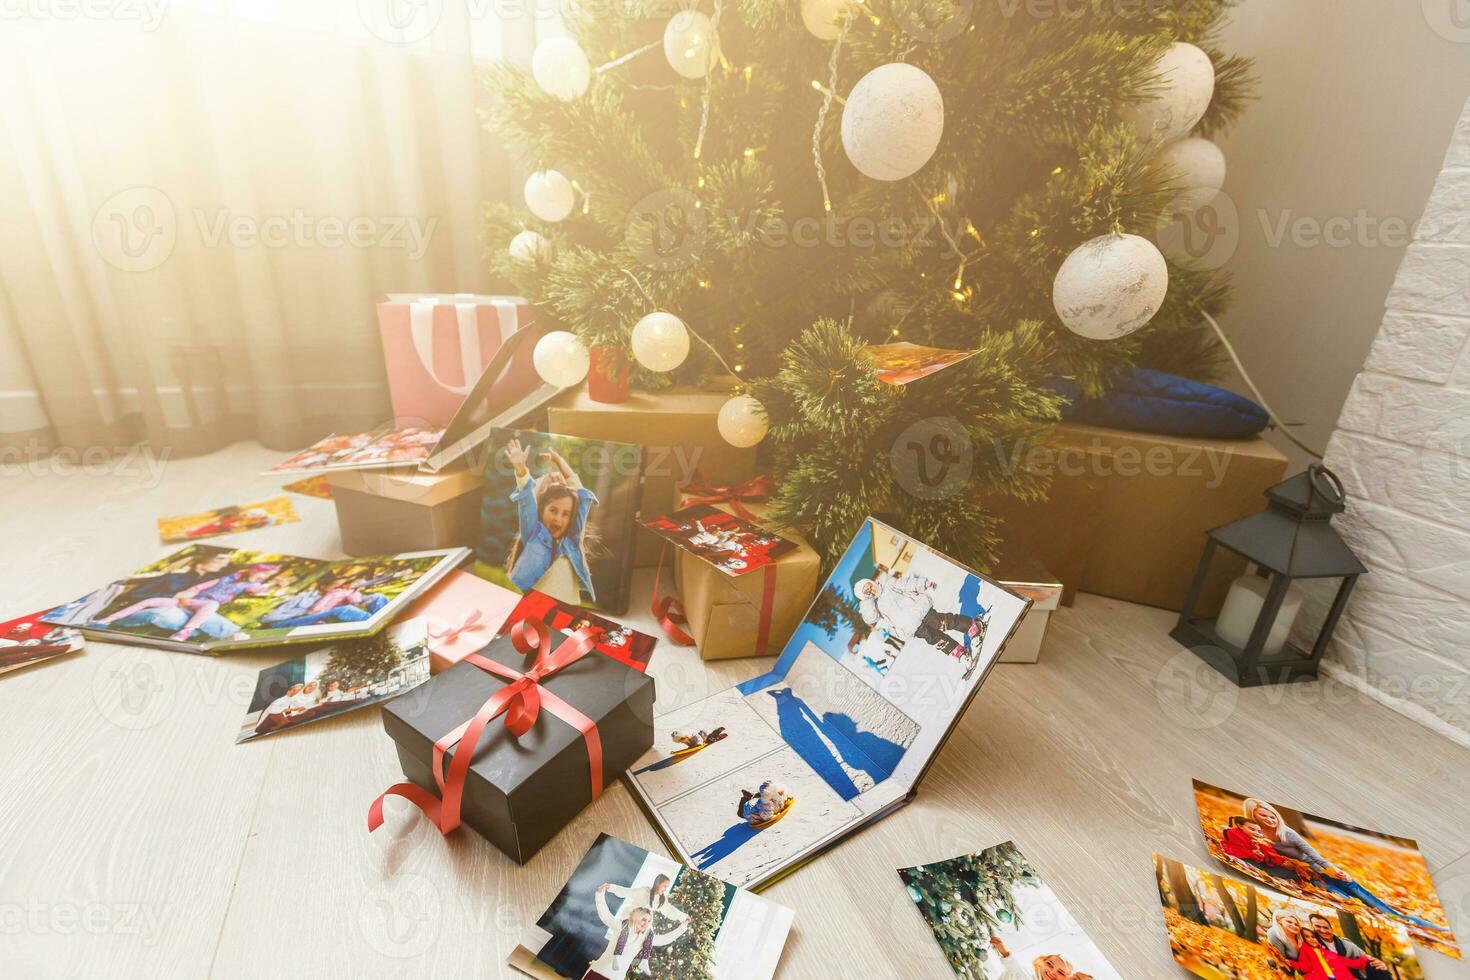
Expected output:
(140, 841)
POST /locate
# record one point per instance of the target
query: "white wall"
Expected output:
(1357, 102)
(1403, 450)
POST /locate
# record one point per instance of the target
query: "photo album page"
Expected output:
(748, 783)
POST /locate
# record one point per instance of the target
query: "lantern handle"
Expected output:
(1333, 490)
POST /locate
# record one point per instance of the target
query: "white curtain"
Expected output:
(201, 201)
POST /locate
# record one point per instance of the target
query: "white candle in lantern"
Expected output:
(1243, 607)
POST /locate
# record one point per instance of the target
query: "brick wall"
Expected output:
(1402, 447)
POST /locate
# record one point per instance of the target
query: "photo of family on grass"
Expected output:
(559, 515)
(337, 679)
(1224, 929)
(994, 918)
(203, 599)
(1324, 861)
(227, 520)
(626, 912)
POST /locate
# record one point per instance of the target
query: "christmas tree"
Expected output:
(967, 899)
(692, 955)
(790, 181)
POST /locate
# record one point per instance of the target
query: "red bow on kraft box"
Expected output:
(521, 701)
(756, 489)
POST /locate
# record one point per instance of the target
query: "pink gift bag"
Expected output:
(437, 346)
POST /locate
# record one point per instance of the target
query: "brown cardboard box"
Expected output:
(1146, 501)
(724, 611)
(386, 511)
(1034, 582)
(679, 430)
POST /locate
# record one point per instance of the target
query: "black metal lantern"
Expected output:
(1291, 539)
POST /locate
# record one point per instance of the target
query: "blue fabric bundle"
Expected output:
(1142, 400)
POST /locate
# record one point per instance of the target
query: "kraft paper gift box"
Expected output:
(437, 346)
(725, 612)
(520, 791)
(678, 430)
(464, 614)
(1129, 511)
(381, 512)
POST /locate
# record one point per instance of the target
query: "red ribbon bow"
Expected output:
(756, 489)
(520, 701)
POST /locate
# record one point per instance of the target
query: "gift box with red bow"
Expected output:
(747, 616)
(519, 738)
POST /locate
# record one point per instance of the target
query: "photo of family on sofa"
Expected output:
(1224, 929)
(1324, 861)
(202, 597)
(627, 913)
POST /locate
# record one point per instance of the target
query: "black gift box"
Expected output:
(520, 792)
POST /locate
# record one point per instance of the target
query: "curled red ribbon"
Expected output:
(756, 489)
(520, 701)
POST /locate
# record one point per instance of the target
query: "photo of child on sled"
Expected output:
(733, 545)
(558, 515)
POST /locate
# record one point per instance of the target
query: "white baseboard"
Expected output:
(1408, 709)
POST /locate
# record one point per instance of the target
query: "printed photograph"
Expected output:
(847, 732)
(28, 640)
(700, 742)
(916, 627)
(311, 486)
(340, 678)
(383, 446)
(559, 514)
(1224, 929)
(729, 543)
(613, 639)
(758, 818)
(996, 919)
(626, 913)
(903, 362)
(1326, 861)
(204, 597)
(227, 520)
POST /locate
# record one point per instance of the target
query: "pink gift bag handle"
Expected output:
(466, 307)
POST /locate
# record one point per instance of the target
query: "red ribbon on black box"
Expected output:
(520, 701)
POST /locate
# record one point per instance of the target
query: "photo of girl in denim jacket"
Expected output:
(549, 550)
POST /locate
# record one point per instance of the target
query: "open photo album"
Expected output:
(204, 599)
(750, 783)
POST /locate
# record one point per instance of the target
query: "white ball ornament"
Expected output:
(823, 18)
(1197, 167)
(892, 122)
(528, 246)
(1111, 286)
(561, 359)
(549, 195)
(660, 341)
(690, 43)
(560, 68)
(742, 421)
(1187, 77)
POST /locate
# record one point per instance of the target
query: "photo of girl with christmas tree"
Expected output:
(995, 919)
(628, 913)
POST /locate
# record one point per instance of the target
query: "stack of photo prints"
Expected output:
(204, 599)
(1335, 901)
(626, 912)
(752, 782)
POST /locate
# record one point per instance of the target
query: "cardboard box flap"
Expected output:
(410, 486)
